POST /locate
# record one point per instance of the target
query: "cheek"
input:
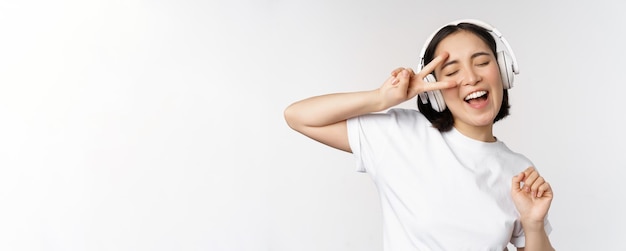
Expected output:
(498, 96)
(494, 75)
(450, 94)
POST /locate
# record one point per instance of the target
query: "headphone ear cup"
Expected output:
(435, 97)
(436, 100)
(506, 69)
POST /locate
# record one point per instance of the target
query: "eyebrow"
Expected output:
(477, 54)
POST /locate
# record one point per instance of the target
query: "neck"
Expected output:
(482, 133)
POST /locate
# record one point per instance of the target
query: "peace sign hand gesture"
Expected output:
(404, 84)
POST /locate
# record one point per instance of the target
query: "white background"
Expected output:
(157, 125)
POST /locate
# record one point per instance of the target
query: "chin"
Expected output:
(484, 120)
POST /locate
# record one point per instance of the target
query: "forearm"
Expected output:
(328, 109)
(537, 238)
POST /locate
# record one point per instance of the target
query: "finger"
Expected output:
(535, 186)
(545, 188)
(515, 183)
(425, 86)
(430, 67)
(431, 86)
(411, 72)
(395, 81)
(396, 71)
(530, 179)
(530, 169)
(401, 77)
(392, 80)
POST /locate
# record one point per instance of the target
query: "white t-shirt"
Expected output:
(438, 191)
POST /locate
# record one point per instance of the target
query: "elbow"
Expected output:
(290, 117)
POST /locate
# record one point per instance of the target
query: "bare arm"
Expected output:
(323, 118)
(536, 239)
(533, 200)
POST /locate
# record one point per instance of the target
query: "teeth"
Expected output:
(474, 95)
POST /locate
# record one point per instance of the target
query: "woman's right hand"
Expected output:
(404, 84)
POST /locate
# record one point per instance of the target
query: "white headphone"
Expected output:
(506, 62)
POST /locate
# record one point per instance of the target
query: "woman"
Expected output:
(445, 181)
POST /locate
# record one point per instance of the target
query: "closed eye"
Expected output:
(484, 63)
(451, 74)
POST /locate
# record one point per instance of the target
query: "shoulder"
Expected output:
(405, 113)
(407, 116)
(519, 160)
(398, 118)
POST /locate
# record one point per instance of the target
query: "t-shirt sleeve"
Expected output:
(357, 143)
(371, 135)
(367, 136)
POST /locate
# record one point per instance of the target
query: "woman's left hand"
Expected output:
(533, 198)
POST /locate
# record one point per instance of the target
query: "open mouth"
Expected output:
(476, 96)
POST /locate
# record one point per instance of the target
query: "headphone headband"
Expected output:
(495, 33)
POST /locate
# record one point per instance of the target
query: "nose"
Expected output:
(470, 77)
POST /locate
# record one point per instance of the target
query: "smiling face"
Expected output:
(477, 99)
